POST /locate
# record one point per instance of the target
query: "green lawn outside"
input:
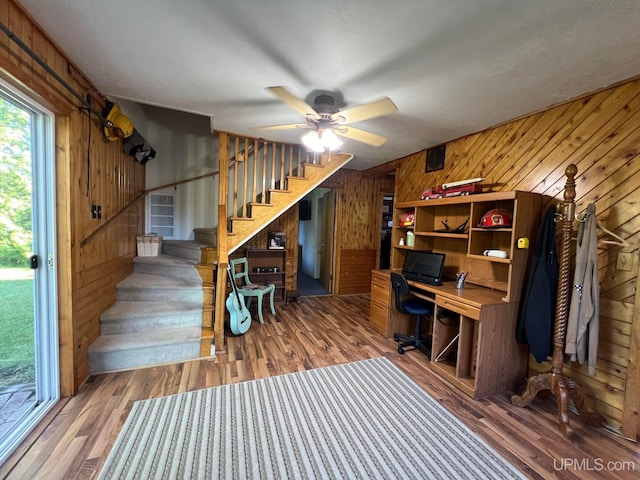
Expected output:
(17, 347)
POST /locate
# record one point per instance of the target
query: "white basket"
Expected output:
(149, 245)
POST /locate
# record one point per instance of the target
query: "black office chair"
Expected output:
(412, 306)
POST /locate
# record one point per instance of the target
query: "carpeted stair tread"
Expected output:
(141, 340)
(188, 243)
(144, 287)
(124, 310)
(184, 248)
(157, 317)
(165, 259)
(146, 281)
(143, 316)
(168, 266)
(143, 349)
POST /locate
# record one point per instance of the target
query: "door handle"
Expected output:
(34, 262)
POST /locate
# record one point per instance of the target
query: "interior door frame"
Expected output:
(328, 237)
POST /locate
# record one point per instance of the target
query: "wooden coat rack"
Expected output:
(554, 380)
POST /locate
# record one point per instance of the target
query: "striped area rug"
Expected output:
(364, 419)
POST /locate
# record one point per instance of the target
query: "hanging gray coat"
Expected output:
(583, 320)
(536, 321)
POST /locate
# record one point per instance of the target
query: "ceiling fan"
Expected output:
(326, 121)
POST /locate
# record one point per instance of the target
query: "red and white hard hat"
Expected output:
(498, 217)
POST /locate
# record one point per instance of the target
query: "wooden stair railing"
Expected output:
(232, 161)
(281, 174)
(265, 183)
(272, 175)
(236, 162)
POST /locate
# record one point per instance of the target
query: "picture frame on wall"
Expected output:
(277, 241)
(435, 158)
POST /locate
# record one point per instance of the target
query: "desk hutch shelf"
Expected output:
(473, 337)
(465, 249)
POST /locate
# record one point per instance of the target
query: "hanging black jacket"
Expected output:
(535, 324)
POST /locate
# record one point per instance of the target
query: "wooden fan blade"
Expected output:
(378, 108)
(282, 127)
(361, 135)
(294, 102)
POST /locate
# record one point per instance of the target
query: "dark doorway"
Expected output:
(315, 243)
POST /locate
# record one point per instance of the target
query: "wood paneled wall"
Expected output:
(287, 223)
(89, 171)
(355, 270)
(358, 222)
(357, 231)
(600, 133)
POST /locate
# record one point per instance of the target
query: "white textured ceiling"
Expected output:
(452, 67)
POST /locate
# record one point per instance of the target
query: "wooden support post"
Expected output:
(273, 166)
(234, 212)
(256, 149)
(245, 174)
(282, 148)
(221, 245)
(265, 146)
(291, 160)
(65, 259)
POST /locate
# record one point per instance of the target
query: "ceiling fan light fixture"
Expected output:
(312, 141)
(319, 141)
(330, 139)
(326, 120)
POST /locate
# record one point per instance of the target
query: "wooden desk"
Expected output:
(474, 344)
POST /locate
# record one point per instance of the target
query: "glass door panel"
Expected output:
(29, 383)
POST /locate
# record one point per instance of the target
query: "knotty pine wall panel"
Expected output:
(600, 133)
(357, 227)
(358, 221)
(355, 271)
(288, 223)
(89, 264)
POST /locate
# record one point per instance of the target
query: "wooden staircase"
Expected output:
(291, 174)
(265, 179)
(261, 214)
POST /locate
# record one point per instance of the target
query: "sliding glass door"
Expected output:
(29, 383)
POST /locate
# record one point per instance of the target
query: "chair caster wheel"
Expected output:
(400, 350)
(396, 338)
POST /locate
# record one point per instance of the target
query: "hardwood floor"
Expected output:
(317, 332)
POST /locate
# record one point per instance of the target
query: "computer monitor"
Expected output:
(424, 267)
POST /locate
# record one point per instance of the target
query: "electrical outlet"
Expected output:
(625, 261)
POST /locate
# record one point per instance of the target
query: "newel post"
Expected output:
(221, 242)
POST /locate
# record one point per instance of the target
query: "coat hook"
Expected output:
(581, 220)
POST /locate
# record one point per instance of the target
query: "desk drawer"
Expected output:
(379, 316)
(380, 279)
(458, 307)
(380, 294)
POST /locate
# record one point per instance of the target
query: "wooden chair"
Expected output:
(249, 289)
